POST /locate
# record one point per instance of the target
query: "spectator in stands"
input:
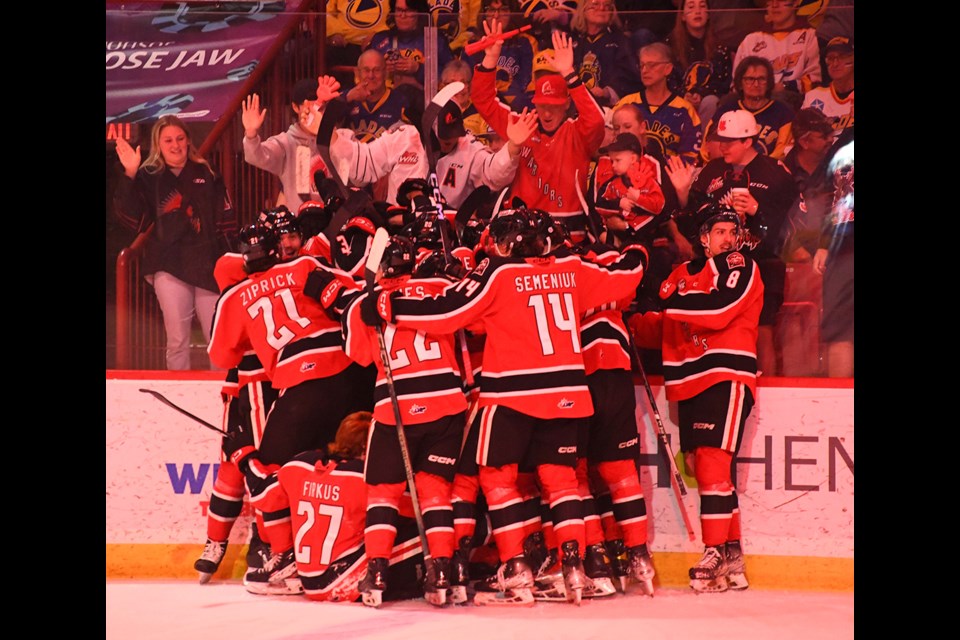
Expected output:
(836, 100)
(460, 71)
(177, 199)
(350, 26)
(703, 64)
(563, 147)
(403, 46)
(834, 259)
(813, 136)
(791, 47)
(672, 122)
(646, 21)
(753, 82)
(292, 155)
(548, 16)
(602, 54)
(374, 107)
(454, 20)
(515, 65)
(762, 192)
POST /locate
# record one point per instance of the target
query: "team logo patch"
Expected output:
(735, 260)
(666, 289)
(565, 404)
(682, 285)
(307, 366)
(416, 410)
(482, 267)
(409, 157)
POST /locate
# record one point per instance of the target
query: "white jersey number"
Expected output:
(425, 350)
(563, 322)
(277, 337)
(304, 551)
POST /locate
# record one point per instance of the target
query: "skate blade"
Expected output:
(373, 598)
(437, 598)
(737, 581)
(575, 596)
(458, 595)
(511, 598)
(623, 581)
(719, 585)
(646, 587)
(205, 577)
(599, 588)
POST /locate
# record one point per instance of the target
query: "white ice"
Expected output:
(179, 610)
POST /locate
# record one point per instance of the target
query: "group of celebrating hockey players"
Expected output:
(477, 394)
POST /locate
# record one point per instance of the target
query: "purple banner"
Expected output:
(185, 60)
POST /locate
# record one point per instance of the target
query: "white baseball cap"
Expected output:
(734, 125)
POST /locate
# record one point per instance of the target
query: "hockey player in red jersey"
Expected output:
(533, 391)
(708, 333)
(323, 495)
(275, 312)
(558, 155)
(429, 389)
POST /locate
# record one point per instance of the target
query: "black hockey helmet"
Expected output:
(430, 264)
(260, 246)
(349, 248)
(399, 257)
(284, 221)
(711, 213)
(525, 232)
(425, 230)
(472, 231)
(409, 185)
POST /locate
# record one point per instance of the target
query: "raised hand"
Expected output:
(681, 177)
(521, 126)
(251, 116)
(562, 58)
(328, 88)
(129, 158)
(491, 54)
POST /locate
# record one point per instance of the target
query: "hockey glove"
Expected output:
(374, 309)
(639, 251)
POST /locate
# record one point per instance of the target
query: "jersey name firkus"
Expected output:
(564, 280)
(321, 491)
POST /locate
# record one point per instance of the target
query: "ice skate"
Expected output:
(436, 585)
(209, 561)
(536, 552)
(640, 566)
(709, 575)
(258, 552)
(617, 553)
(548, 585)
(597, 566)
(374, 583)
(512, 585)
(574, 577)
(736, 567)
(278, 577)
(460, 571)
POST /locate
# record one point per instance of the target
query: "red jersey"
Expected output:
(708, 326)
(530, 309)
(426, 372)
(290, 332)
(544, 179)
(603, 334)
(328, 506)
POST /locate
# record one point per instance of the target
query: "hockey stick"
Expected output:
(430, 115)
(159, 396)
(676, 480)
(380, 241)
(591, 223)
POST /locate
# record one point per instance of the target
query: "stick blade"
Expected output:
(443, 96)
(380, 241)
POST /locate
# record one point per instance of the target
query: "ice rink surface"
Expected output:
(179, 610)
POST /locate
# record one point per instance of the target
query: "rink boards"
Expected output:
(794, 480)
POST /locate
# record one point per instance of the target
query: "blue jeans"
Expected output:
(179, 302)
